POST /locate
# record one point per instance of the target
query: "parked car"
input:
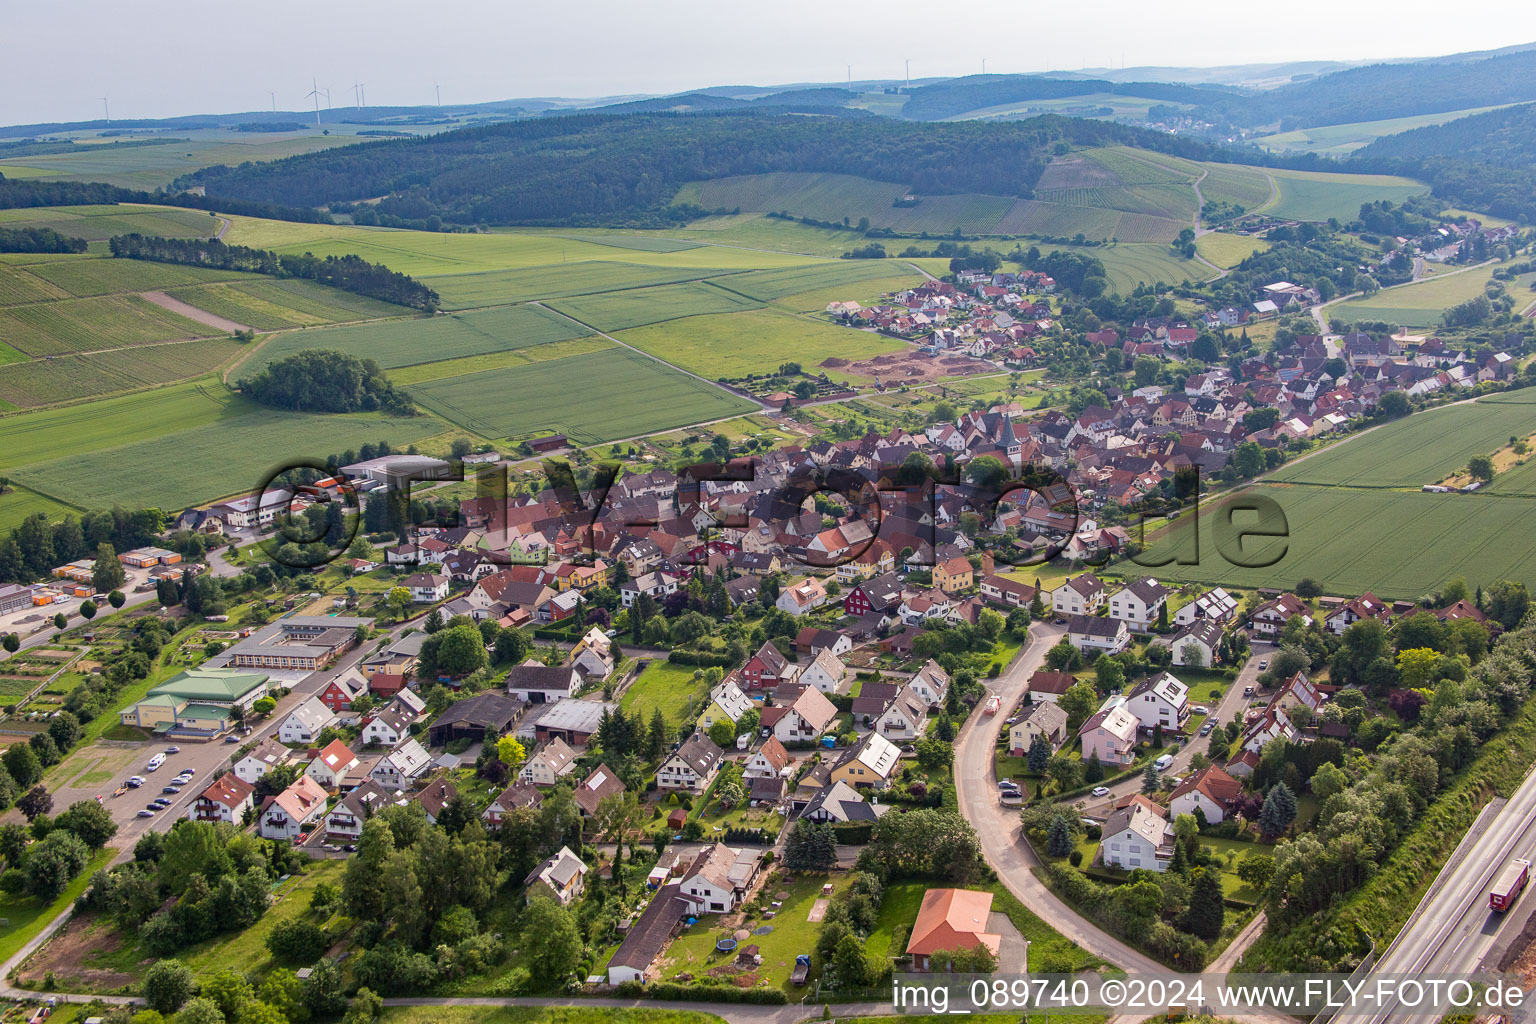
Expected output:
(1264, 664)
(1101, 791)
(135, 782)
(1247, 691)
(171, 789)
(231, 738)
(152, 808)
(1205, 730)
(1199, 709)
(1007, 785)
(147, 813)
(172, 750)
(350, 848)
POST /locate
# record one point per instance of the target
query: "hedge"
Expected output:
(701, 993)
(699, 659)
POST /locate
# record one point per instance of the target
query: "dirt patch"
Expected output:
(66, 952)
(818, 910)
(191, 312)
(897, 368)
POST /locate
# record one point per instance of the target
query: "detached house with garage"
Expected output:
(718, 878)
(692, 766)
(1081, 595)
(1366, 606)
(1139, 603)
(1211, 791)
(726, 704)
(426, 587)
(549, 764)
(769, 762)
(226, 799)
(905, 719)
(292, 811)
(766, 669)
(402, 766)
(1110, 733)
(1137, 836)
(868, 764)
(1040, 719)
(386, 728)
(803, 720)
(562, 876)
(805, 596)
(930, 682)
(305, 722)
(1197, 644)
(825, 673)
(1270, 617)
(329, 767)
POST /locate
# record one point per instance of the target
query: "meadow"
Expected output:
(270, 304)
(733, 345)
(419, 372)
(393, 343)
(636, 307)
(1226, 250)
(1130, 264)
(666, 687)
(1340, 139)
(17, 503)
(768, 285)
(1422, 303)
(99, 223)
(86, 276)
(65, 433)
(227, 455)
(592, 398)
(557, 280)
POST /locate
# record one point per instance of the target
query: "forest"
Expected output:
(323, 380)
(349, 273)
(27, 193)
(624, 170)
(1484, 162)
(38, 240)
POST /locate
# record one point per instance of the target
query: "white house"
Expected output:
(386, 729)
(1042, 718)
(1137, 836)
(1209, 790)
(803, 720)
(826, 673)
(930, 682)
(1197, 644)
(1216, 604)
(562, 876)
(549, 764)
(905, 718)
(1110, 733)
(805, 596)
(1270, 617)
(345, 821)
(1081, 595)
(293, 810)
(305, 722)
(1273, 724)
(330, 766)
(1092, 633)
(692, 765)
(265, 756)
(1161, 700)
(226, 799)
(402, 766)
(768, 762)
(1139, 603)
(718, 878)
(426, 587)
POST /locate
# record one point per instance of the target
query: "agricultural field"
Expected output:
(226, 456)
(270, 304)
(1249, 187)
(73, 377)
(62, 434)
(1422, 303)
(1337, 140)
(420, 372)
(733, 345)
(17, 503)
(1307, 195)
(867, 292)
(394, 343)
(760, 232)
(99, 223)
(769, 285)
(87, 276)
(636, 307)
(85, 325)
(595, 397)
(18, 284)
(1129, 265)
(1227, 250)
(558, 280)
(1420, 449)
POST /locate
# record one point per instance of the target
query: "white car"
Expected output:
(1101, 791)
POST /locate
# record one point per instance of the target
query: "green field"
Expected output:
(150, 167)
(760, 232)
(636, 307)
(732, 345)
(99, 223)
(1305, 195)
(666, 686)
(17, 503)
(1226, 250)
(18, 284)
(420, 372)
(767, 285)
(221, 453)
(84, 276)
(1236, 185)
(1129, 265)
(1421, 304)
(268, 304)
(1341, 139)
(395, 343)
(592, 398)
(73, 377)
(497, 287)
(86, 325)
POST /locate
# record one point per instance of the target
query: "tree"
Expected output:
(1078, 702)
(510, 752)
(90, 821)
(1393, 404)
(1308, 587)
(199, 1010)
(1328, 780)
(167, 985)
(116, 599)
(1279, 811)
(1039, 753)
(460, 650)
(723, 733)
(850, 962)
(297, 941)
(53, 863)
(1058, 837)
(11, 642)
(88, 610)
(229, 991)
(810, 846)
(1095, 770)
(1418, 667)
(1480, 467)
(398, 599)
(1206, 912)
(1506, 600)
(107, 572)
(34, 802)
(1149, 779)
(1063, 657)
(551, 943)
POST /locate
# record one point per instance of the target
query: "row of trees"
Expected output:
(38, 240)
(349, 273)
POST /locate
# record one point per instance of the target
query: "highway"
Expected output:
(1452, 931)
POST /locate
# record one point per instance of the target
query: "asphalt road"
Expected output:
(1453, 930)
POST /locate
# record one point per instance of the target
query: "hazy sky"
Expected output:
(155, 59)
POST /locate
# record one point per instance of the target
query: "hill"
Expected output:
(604, 168)
(957, 96)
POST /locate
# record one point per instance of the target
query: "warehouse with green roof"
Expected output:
(200, 703)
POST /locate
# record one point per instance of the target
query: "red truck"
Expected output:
(1511, 880)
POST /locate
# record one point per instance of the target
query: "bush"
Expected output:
(706, 993)
(298, 942)
(1076, 858)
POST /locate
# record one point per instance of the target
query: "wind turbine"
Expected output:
(909, 72)
(327, 98)
(106, 111)
(315, 92)
(983, 65)
(439, 90)
(356, 103)
(850, 77)
(274, 100)
(363, 91)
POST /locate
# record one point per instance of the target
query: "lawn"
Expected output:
(667, 686)
(592, 398)
(1226, 250)
(733, 345)
(395, 343)
(693, 951)
(25, 916)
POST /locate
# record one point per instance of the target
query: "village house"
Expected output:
(1211, 791)
(600, 784)
(840, 803)
(562, 876)
(542, 684)
(1110, 734)
(951, 919)
(549, 764)
(1001, 590)
(718, 877)
(1092, 633)
(1216, 605)
(1139, 603)
(426, 587)
(766, 669)
(879, 594)
(263, 757)
(1080, 595)
(330, 765)
(768, 762)
(825, 672)
(905, 719)
(1366, 606)
(1137, 836)
(868, 764)
(726, 704)
(1270, 617)
(1197, 644)
(344, 823)
(305, 723)
(802, 598)
(227, 798)
(1046, 685)
(401, 767)
(1039, 719)
(1161, 700)
(954, 575)
(288, 814)
(387, 728)
(803, 720)
(930, 682)
(691, 766)
(518, 795)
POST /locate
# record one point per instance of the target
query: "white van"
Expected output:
(1162, 763)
